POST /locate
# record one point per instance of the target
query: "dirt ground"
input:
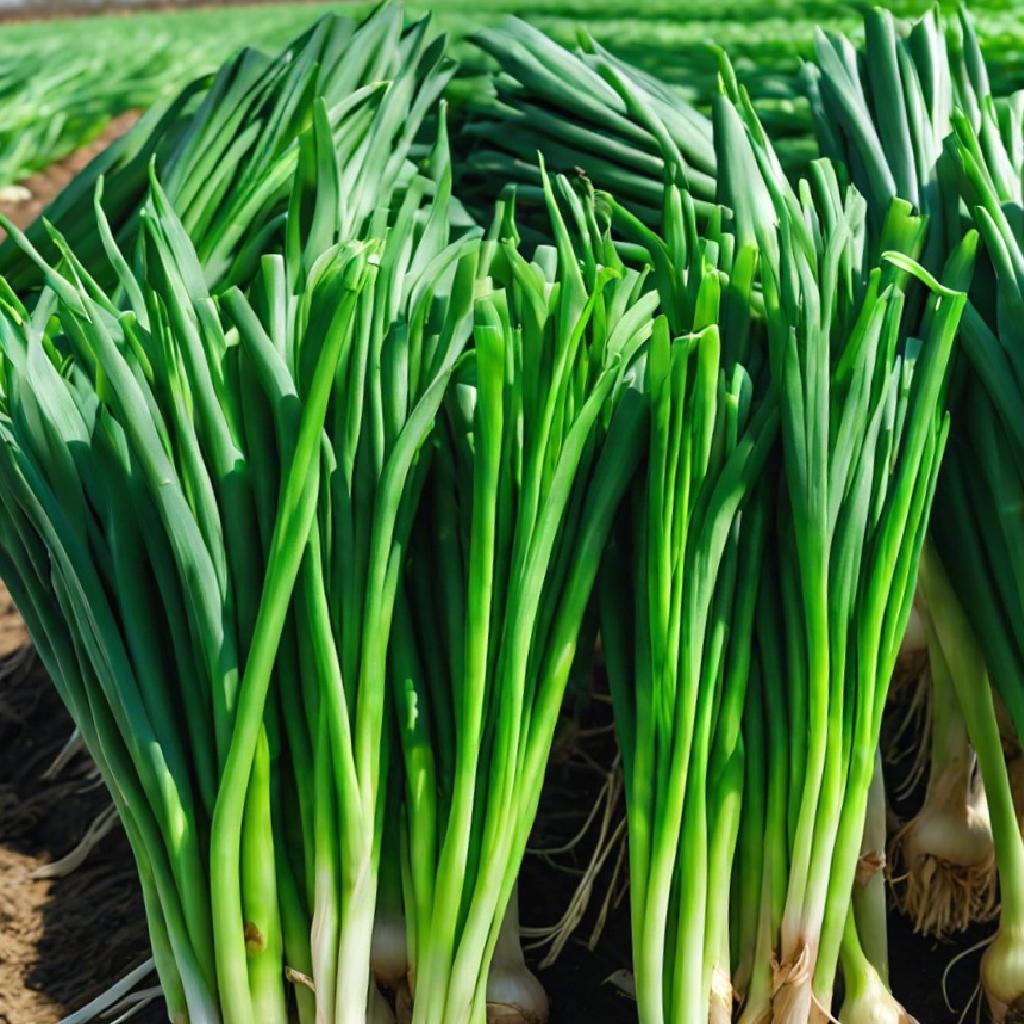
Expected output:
(62, 941)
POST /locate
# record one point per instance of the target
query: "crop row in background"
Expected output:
(57, 94)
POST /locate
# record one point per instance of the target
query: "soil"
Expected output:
(64, 940)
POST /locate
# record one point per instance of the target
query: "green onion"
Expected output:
(866, 997)
(977, 530)
(308, 488)
(176, 469)
(542, 434)
(884, 114)
(944, 857)
(678, 648)
(863, 433)
(171, 654)
(870, 896)
(570, 107)
(954, 647)
(957, 145)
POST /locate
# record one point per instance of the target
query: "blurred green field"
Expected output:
(61, 81)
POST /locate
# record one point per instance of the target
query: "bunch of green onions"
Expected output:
(678, 654)
(863, 436)
(172, 469)
(567, 106)
(125, 453)
(884, 113)
(541, 435)
(863, 431)
(974, 587)
(935, 136)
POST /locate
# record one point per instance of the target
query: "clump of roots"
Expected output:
(944, 875)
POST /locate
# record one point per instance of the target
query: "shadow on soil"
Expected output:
(62, 941)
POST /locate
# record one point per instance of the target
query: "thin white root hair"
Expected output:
(133, 1004)
(571, 844)
(71, 749)
(102, 825)
(949, 967)
(611, 835)
(913, 733)
(92, 1010)
(612, 897)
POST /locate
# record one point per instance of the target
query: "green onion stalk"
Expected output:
(514, 993)
(877, 426)
(542, 431)
(863, 430)
(866, 996)
(678, 650)
(759, 889)
(567, 106)
(870, 893)
(226, 146)
(911, 710)
(389, 953)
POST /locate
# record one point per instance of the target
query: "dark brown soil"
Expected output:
(62, 941)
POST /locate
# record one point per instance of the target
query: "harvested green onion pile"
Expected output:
(323, 442)
(547, 99)
(689, 547)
